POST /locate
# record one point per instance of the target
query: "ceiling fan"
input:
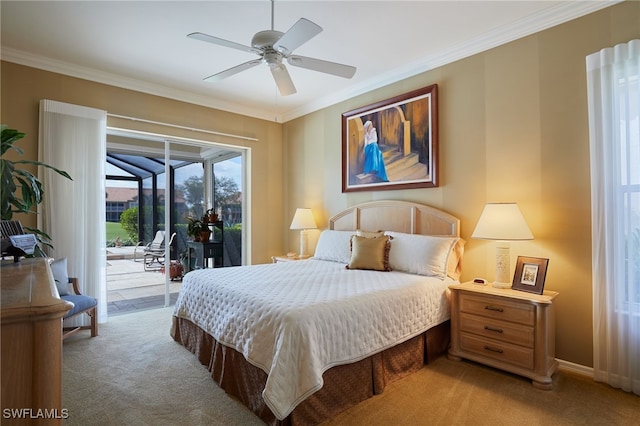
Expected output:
(273, 46)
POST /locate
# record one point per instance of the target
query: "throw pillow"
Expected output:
(333, 246)
(370, 253)
(369, 234)
(421, 254)
(60, 275)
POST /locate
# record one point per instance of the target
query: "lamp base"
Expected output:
(304, 237)
(497, 284)
(502, 265)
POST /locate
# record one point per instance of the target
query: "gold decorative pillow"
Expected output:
(369, 234)
(370, 253)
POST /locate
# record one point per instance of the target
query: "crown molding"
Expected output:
(561, 13)
(558, 14)
(85, 73)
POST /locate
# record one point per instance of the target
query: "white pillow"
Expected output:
(420, 254)
(334, 246)
(60, 274)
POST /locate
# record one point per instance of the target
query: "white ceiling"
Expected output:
(142, 45)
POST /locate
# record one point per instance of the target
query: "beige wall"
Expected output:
(513, 127)
(23, 88)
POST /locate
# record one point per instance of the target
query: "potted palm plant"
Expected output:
(15, 177)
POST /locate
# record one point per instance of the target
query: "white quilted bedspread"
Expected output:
(295, 320)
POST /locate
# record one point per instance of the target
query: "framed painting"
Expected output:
(530, 274)
(392, 144)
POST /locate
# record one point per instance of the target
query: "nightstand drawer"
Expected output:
(501, 351)
(509, 332)
(498, 308)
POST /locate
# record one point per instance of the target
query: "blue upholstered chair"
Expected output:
(82, 304)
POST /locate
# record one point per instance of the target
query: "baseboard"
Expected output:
(583, 370)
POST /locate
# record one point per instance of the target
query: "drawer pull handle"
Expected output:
(489, 348)
(493, 308)
(497, 330)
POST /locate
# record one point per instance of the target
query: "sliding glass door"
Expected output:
(169, 181)
(227, 203)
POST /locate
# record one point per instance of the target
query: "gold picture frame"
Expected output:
(392, 144)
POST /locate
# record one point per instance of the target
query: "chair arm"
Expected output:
(76, 289)
(135, 250)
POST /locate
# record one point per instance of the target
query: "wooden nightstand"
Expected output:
(285, 258)
(507, 329)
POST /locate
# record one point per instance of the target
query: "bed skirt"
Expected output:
(344, 385)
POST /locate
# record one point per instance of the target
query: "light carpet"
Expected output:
(133, 373)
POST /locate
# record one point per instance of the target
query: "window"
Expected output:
(614, 138)
(628, 235)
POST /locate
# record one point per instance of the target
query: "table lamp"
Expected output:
(303, 220)
(502, 222)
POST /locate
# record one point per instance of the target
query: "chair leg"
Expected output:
(151, 260)
(93, 313)
(148, 263)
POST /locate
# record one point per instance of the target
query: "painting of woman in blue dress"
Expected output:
(373, 161)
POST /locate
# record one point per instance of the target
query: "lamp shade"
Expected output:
(502, 221)
(303, 219)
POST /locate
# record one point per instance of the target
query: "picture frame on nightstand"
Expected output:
(530, 274)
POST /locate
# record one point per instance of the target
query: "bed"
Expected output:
(299, 342)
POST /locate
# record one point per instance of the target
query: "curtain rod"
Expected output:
(193, 129)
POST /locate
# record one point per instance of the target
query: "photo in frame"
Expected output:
(530, 274)
(392, 144)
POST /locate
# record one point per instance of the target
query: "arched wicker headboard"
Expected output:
(398, 216)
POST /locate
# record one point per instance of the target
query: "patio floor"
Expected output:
(130, 288)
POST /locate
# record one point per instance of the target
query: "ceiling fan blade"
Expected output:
(283, 80)
(301, 32)
(234, 70)
(346, 71)
(222, 42)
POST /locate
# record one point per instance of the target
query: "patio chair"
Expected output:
(153, 253)
(157, 243)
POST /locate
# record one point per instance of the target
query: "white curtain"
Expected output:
(73, 138)
(614, 134)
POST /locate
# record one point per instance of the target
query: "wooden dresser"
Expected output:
(507, 329)
(31, 315)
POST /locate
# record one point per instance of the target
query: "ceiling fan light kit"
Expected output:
(273, 46)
